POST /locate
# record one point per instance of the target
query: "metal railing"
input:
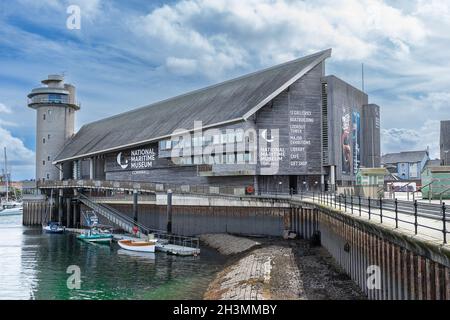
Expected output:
(378, 207)
(388, 209)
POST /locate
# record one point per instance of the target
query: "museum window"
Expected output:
(216, 139)
(165, 145)
(43, 140)
(239, 135)
(223, 138)
(186, 160)
(207, 140)
(231, 158)
(48, 176)
(43, 162)
(197, 159)
(48, 158)
(217, 159)
(48, 137)
(43, 116)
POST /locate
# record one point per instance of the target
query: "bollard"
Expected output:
(359, 203)
(351, 203)
(396, 213)
(381, 210)
(415, 217)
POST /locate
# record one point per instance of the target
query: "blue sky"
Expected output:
(131, 53)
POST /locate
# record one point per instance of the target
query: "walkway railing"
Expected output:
(418, 215)
(422, 218)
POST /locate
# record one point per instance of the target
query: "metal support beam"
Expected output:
(60, 206)
(135, 205)
(169, 211)
(68, 212)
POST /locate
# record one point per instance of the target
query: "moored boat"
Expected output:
(139, 246)
(96, 237)
(11, 210)
(54, 227)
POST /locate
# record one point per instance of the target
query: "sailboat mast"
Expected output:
(6, 176)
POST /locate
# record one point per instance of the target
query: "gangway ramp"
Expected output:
(169, 243)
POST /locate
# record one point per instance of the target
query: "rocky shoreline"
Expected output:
(265, 269)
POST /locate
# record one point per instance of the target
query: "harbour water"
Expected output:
(33, 265)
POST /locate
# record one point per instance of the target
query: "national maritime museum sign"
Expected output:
(134, 159)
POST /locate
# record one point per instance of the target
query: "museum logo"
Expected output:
(138, 159)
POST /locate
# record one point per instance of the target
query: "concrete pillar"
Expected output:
(169, 211)
(68, 212)
(61, 172)
(60, 206)
(333, 178)
(76, 211)
(91, 168)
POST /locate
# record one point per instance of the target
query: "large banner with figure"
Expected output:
(347, 155)
(356, 139)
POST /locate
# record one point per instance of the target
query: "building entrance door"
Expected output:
(293, 184)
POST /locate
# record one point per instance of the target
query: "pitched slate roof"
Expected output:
(227, 102)
(407, 156)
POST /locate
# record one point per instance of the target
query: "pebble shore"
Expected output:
(276, 270)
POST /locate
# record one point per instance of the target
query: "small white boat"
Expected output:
(11, 211)
(139, 246)
(54, 227)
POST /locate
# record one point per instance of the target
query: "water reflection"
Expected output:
(33, 266)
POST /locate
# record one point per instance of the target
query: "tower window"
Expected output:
(48, 137)
(48, 158)
(43, 162)
(48, 176)
(43, 117)
(43, 140)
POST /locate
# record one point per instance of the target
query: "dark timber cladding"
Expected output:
(290, 127)
(445, 143)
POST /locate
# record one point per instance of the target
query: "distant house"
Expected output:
(370, 182)
(407, 166)
(432, 163)
(436, 182)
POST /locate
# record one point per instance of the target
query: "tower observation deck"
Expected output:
(55, 104)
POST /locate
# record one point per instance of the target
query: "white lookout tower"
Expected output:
(55, 104)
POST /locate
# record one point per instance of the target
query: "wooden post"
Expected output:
(169, 211)
(135, 205)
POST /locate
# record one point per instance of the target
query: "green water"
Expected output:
(33, 265)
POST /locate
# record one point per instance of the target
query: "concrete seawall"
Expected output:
(396, 265)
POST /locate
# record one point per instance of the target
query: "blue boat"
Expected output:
(96, 235)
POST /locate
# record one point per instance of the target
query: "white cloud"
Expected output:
(5, 109)
(401, 139)
(20, 158)
(230, 33)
